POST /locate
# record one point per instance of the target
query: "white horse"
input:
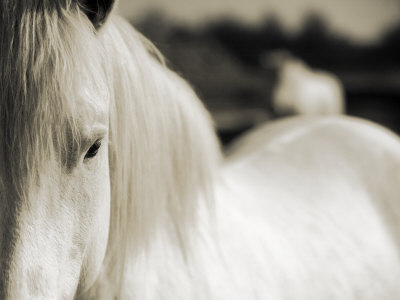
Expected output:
(112, 184)
(301, 90)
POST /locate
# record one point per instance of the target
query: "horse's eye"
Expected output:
(93, 150)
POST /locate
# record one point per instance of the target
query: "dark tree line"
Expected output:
(314, 43)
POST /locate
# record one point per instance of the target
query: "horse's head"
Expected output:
(54, 170)
(103, 150)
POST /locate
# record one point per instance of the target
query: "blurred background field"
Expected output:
(228, 51)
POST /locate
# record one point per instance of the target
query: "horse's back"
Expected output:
(323, 159)
(336, 149)
(319, 197)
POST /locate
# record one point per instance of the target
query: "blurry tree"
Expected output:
(242, 41)
(390, 48)
(272, 36)
(157, 28)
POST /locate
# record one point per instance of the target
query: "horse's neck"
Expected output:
(227, 252)
(290, 210)
(269, 235)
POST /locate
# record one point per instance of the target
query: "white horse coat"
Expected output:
(112, 184)
(306, 209)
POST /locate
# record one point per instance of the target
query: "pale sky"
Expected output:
(362, 20)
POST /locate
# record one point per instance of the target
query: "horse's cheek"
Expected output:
(99, 210)
(42, 263)
(62, 233)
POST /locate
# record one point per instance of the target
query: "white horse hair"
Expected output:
(304, 208)
(171, 141)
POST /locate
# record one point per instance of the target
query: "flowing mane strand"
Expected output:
(163, 154)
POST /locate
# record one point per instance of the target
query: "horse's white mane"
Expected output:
(163, 152)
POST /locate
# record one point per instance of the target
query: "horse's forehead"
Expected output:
(50, 86)
(92, 115)
(79, 91)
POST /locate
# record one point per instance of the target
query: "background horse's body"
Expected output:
(302, 90)
(112, 183)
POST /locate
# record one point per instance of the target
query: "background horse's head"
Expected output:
(101, 149)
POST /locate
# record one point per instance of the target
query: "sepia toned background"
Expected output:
(234, 54)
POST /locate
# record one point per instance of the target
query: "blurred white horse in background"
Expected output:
(112, 184)
(301, 90)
